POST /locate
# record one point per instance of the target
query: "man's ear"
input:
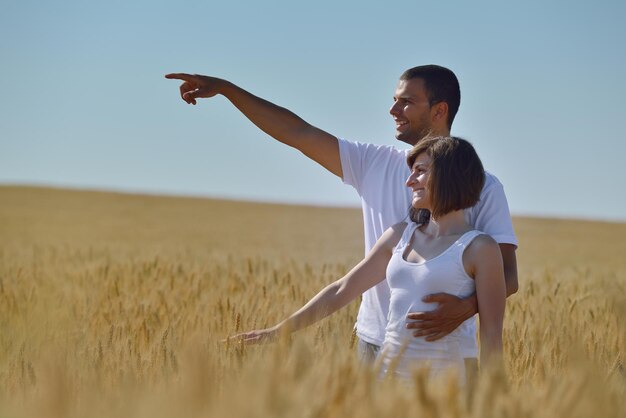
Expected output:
(439, 112)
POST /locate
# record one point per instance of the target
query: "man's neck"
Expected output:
(443, 131)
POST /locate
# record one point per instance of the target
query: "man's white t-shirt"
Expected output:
(378, 173)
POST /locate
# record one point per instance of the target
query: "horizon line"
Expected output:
(269, 201)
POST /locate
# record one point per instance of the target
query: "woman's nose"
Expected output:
(409, 180)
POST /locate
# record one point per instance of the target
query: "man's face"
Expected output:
(411, 111)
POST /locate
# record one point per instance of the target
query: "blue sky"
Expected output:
(83, 100)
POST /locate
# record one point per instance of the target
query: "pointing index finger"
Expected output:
(181, 76)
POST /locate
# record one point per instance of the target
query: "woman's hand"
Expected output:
(259, 336)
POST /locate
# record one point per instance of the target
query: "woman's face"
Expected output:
(418, 181)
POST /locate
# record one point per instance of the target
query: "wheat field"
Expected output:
(115, 305)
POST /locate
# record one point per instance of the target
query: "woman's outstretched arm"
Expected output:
(484, 257)
(369, 272)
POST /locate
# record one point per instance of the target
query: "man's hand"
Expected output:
(196, 86)
(438, 323)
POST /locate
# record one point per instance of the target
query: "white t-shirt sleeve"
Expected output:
(352, 155)
(491, 215)
(358, 159)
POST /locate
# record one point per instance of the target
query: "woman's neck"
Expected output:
(452, 223)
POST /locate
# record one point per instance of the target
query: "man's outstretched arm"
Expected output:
(278, 122)
(452, 311)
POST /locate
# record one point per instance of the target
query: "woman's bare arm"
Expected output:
(369, 272)
(483, 257)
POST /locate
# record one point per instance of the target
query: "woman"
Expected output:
(439, 254)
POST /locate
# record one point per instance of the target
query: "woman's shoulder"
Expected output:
(397, 230)
(480, 253)
(482, 245)
(399, 227)
(393, 234)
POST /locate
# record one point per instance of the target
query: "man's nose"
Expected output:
(394, 109)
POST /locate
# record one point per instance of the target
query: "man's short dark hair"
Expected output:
(441, 86)
(456, 174)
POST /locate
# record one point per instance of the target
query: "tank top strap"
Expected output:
(461, 244)
(406, 236)
(466, 239)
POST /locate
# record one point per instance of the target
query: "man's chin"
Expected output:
(406, 139)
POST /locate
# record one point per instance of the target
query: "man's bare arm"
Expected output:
(510, 268)
(278, 122)
(452, 311)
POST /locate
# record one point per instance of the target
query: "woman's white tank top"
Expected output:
(409, 283)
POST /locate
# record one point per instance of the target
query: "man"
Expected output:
(425, 103)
